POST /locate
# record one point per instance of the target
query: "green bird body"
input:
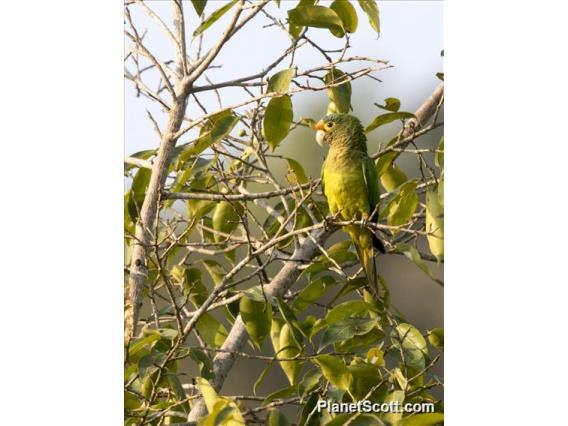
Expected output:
(351, 185)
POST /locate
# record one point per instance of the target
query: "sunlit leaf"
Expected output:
(413, 345)
(340, 92)
(361, 342)
(297, 171)
(334, 371)
(436, 338)
(435, 224)
(226, 218)
(257, 317)
(393, 177)
(309, 381)
(211, 330)
(316, 16)
(365, 377)
(389, 117)
(345, 330)
(313, 292)
(372, 10)
(393, 417)
(137, 192)
(285, 346)
(376, 356)
(439, 159)
(400, 208)
(347, 14)
(280, 82)
(391, 104)
(277, 120)
(214, 17)
(295, 30)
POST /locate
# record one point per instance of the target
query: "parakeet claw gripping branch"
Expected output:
(351, 185)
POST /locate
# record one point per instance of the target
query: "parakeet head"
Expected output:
(341, 129)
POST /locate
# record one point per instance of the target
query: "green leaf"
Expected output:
(208, 392)
(216, 128)
(436, 338)
(138, 192)
(142, 343)
(402, 205)
(203, 362)
(412, 253)
(211, 19)
(383, 119)
(349, 309)
(281, 394)
(339, 94)
(347, 14)
(413, 345)
(391, 104)
(295, 30)
(439, 159)
(211, 330)
(313, 292)
(376, 357)
(338, 252)
(257, 317)
(285, 346)
(277, 120)
(289, 349)
(372, 10)
(441, 190)
(193, 286)
(298, 173)
(280, 82)
(334, 371)
(345, 330)
(361, 341)
(393, 177)
(422, 419)
(143, 155)
(435, 224)
(215, 270)
(318, 17)
(292, 321)
(271, 225)
(309, 381)
(276, 418)
(226, 218)
(199, 6)
(393, 417)
(365, 377)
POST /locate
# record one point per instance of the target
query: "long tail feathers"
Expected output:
(366, 255)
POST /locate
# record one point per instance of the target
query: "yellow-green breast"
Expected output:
(345, 187)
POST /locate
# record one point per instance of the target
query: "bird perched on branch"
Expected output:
(351, 185)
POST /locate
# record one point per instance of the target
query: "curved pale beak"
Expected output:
(320, 134)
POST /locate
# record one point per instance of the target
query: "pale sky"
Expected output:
(411, 40)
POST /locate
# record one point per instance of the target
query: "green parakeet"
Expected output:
(351, 185)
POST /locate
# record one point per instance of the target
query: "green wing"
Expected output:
(323, 179)
(372, 183)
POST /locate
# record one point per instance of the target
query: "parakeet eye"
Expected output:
(329, 125)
